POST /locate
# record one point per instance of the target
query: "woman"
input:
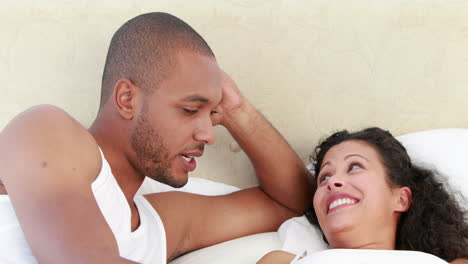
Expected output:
(368, 195)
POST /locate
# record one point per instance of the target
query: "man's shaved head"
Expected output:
(143, 50)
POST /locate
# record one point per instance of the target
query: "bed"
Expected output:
(442, 150)
(311, 67)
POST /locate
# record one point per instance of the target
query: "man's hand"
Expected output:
(231, 101)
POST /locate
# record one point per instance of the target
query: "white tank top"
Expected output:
(147, 244)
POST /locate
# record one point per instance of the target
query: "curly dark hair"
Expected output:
(435, 223)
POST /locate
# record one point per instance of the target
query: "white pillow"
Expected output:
(247, 249)
(445, 150)
(194, 185)
(298, 235)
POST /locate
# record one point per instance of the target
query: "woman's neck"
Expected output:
(384, 238)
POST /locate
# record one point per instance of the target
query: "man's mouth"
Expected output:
(188, 159)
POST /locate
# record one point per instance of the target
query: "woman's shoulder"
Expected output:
(277, 257)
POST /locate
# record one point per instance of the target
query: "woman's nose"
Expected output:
(335, 182)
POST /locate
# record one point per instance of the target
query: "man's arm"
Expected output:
(280, 172)
(195, 221)
(47, 164)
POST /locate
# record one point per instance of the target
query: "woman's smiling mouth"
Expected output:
(341, 200)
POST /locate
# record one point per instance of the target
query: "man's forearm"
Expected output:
(281, 173)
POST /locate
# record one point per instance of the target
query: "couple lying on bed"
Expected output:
(68, 195)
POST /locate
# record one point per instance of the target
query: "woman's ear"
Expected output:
(404, 199)
(125, 92)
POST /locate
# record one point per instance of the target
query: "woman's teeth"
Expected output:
(341, 201)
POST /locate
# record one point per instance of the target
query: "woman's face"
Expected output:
(353, 195)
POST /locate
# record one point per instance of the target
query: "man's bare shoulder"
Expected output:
(48, 131)
(51, 120)
(43, 117)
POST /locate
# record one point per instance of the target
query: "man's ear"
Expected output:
(125, 98)
(404, 199)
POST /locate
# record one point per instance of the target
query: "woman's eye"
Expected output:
(324, 178)
(213, 112)
(190, 111)
(354, 167)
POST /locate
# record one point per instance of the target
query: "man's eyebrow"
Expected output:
(351, 155)
(196, 98)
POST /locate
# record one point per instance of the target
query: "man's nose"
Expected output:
(205, 132)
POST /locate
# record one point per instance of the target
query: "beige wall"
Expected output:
(310, 66)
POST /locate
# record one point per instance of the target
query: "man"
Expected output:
(73, 190)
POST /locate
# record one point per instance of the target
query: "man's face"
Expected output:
(175, 121)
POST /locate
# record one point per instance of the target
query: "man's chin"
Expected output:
(177, 184)
(174, 181)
